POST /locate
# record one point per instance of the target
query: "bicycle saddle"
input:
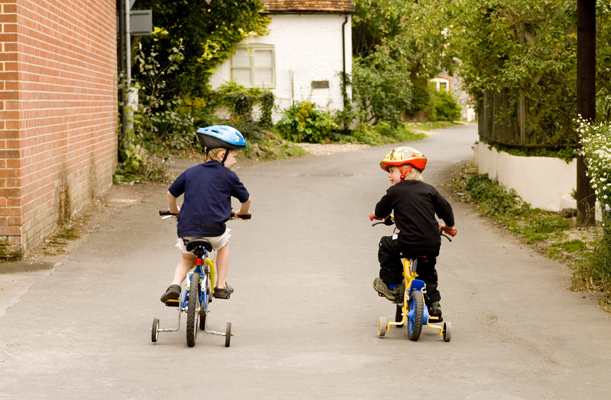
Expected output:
(199, 242)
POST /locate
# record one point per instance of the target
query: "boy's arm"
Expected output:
(383, 208)
(172, 206)
(244, 208)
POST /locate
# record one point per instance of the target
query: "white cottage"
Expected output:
(308, 45)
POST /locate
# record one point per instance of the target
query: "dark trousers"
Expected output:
(390, 254)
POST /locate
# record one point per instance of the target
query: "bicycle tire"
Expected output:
(192, 314)
(416, 315)
(155, 330)
(204, 311)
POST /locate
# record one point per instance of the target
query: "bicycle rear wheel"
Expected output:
(415, 315)
(192, 310)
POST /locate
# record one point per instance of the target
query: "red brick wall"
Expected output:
(58, 107)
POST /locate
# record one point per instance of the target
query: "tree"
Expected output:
(207, 29)
(396, 45)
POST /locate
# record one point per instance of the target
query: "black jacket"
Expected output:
(415, 204)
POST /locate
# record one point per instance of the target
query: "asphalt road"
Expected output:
(304, 312)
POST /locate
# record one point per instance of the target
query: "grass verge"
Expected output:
(581, 249)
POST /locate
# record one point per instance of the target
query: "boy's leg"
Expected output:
(391, 268)
(222, 265)
(427, 272)
(180, 273)
(222, 289)
(183, 268)
(389, 256)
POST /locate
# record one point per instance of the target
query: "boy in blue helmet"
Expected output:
(208, 189)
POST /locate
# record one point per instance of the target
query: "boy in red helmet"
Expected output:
(414, 205)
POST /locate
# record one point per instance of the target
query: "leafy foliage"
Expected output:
(208, 30)
(520, 49)
(397, 45)
(494, 200)
(381, 87)
(596, 145)
(302, 122)
(443, 106)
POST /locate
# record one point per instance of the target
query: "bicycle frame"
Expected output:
(411, 284)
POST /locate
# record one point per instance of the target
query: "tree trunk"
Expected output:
(586, 106)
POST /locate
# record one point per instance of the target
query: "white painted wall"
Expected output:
(308, 47)
(544, 182)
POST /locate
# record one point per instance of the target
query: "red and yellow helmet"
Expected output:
(404, 156)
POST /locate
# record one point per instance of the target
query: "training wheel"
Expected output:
(382, 326)
(228, 335)
(447, 331)
(155, 330)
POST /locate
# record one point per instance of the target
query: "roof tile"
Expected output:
(309, 6)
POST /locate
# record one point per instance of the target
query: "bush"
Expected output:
(421, 99)
(596, 143)
(302, 122)
(443, 106)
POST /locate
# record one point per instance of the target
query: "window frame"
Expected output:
(251, 48)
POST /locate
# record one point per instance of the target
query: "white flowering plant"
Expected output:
(595, 140)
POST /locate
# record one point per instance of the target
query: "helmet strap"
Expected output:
(405, 171)
(225, 157)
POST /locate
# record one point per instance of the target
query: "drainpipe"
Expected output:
(121, 7)
(345, 91)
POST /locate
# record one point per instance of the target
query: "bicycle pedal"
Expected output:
(435, 320)
(172, 302)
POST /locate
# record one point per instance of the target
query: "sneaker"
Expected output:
(383, 289)
(435, 310)
(173, 292)
(223, 293)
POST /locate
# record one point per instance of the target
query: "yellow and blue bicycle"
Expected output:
(410, 305)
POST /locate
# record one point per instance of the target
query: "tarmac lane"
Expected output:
(304, 312)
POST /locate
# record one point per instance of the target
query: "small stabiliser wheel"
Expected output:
(228, 335)
(415, 316)
(192, 312)
(155, 330)
(399, 315)
(447, 331)
(382, 324)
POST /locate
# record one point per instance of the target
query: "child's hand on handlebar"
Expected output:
(446, 229)
(236, 215)
(372, 216)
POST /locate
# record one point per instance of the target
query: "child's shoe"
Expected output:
(223, 293)
(173, 292)
(435, 310)
(384, 290)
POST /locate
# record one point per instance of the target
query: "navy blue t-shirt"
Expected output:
(206, 207)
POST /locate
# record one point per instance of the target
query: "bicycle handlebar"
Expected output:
(390, 221)
(241, 216)
(167, 213)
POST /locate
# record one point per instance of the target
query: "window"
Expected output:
(441, 84)
(253, 65)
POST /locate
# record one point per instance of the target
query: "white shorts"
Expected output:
(217, 242)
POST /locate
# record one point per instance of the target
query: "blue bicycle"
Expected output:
(198, 293)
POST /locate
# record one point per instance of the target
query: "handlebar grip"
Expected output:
(165, 212)
(452, 232)
(241, 216)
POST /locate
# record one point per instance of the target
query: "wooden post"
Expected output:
(586, 106)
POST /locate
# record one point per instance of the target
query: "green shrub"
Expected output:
(421, 99)
(302, 122)
(505, 206)
(397, 133)
(443, 106)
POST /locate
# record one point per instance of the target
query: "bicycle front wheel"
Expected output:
(192, 310)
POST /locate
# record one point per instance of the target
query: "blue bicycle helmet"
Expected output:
(223, 136)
